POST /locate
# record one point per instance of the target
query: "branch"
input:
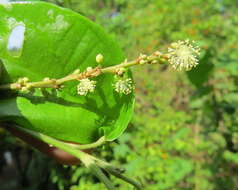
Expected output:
(181, 55)
(23, 84)
(94, 164)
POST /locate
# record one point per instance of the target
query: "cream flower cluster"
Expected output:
(124, 86)
(85, 86)
(183, 55)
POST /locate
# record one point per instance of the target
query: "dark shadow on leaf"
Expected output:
(107, 114)
(200, 75)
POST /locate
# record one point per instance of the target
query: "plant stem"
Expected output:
(54, 142)
(118, 173)
(99, 173)
(124, 178)
(98, 143)
(92, 163)
(156, 57)
(87, 159)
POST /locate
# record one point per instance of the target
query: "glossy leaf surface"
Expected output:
(39, 40)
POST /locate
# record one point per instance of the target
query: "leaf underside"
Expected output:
(58, 41)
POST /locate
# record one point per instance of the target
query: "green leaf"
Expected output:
(230, 156)
(58, 41)
(204, 67)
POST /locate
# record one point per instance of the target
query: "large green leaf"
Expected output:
(56, 42)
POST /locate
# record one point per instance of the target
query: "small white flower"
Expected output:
(183, 55)
(124, 86)
(85, 86)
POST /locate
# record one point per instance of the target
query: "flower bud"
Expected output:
(99, 58)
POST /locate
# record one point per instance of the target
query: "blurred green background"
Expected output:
(184, 133)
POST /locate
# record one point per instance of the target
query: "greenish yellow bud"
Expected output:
(142, 62)
(154, 62)
(46, 79)
(120, 71)
(24, 89)
(99, 58)
(89, 69)
(25, 79)
(77, 71)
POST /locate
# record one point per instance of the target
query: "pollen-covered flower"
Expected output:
(183, 55)
(124, 86)
(85, 86)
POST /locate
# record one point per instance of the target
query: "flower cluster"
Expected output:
(85, 86)
(183, 55)
(124, 86)
(22, 84)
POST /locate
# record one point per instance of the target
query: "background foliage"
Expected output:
(184, 134)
